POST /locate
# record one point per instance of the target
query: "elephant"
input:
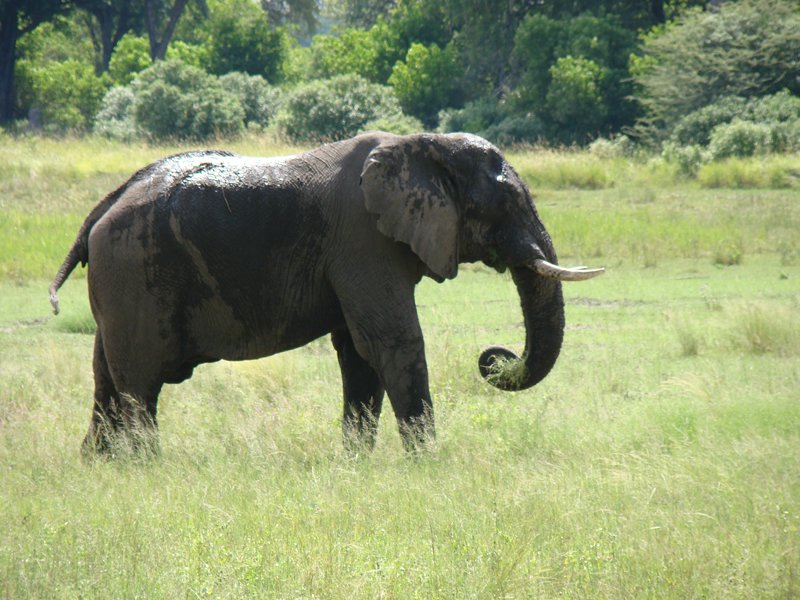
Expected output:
(207, 255)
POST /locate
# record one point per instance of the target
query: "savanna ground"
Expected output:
(660, 458)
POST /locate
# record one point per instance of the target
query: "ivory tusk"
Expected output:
(546, 269)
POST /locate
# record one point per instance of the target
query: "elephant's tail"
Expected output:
(79, 252)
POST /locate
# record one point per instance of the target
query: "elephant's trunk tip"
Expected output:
(503, 369)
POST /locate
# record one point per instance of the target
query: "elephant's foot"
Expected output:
(103, 441)
(359, 434)
(418, 434)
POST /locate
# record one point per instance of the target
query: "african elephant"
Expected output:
(205, 256)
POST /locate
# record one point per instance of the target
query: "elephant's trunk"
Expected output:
(543, 310)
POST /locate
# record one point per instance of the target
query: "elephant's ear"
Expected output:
(408, 188)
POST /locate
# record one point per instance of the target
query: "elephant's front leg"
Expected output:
(395, 349)
(363, 395)
(405, 374)
(381, 316)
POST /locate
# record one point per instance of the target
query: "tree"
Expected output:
(131, 56)
(18, 17)
(241, 39)
(427, 81)
(108, 21)
(157, 12)
(360, 13)
(298, 12)
(574, 99)
(485, 39)
(349, 50)
(567, 65)
(749, 48)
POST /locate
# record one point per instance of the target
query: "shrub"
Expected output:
(785, 137)
(68, 93)
(475, 117)
(494, 121)
(616, 147)
(258, 98)
(777, 110)
(115, 119)
(781, 107)
(335, 108)
(696, 127)
(174, 100)
(748, 48)
(396, 123)
(688, 158)
(739, 138)
(515, 129)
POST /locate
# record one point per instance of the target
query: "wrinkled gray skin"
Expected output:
(206, 256)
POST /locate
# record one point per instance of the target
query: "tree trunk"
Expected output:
(657, 12)
(9, 30)
(158, 47)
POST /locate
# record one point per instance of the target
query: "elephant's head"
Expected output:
(454, 198)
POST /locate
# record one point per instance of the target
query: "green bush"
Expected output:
(774, 108)
(68, 93)
(689, 158)
(739, 138)
(258, 98)
(335, 108)
(616, 147)
(785, 136)
(115, 119)
(777, 110)
(493, 120)
(748, 48)
(475, 117)
(395, 123)
(175, 100)
(696, 127)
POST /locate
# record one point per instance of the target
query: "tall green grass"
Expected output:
(657, 460)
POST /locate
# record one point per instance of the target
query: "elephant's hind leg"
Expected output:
(363, 395)
(106, 419)
(122, 421)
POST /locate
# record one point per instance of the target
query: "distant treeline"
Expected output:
(701, 79)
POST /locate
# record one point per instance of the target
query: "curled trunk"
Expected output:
(543, 310)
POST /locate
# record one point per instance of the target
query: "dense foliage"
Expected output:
(676, 73)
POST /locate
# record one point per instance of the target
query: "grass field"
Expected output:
(660, 458)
